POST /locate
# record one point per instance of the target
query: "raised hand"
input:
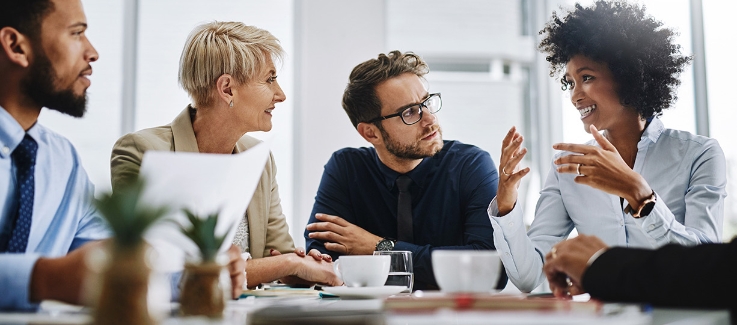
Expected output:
(603, 168)
(509, 173)
(342, 236)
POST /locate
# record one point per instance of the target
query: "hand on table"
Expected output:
(342, 236)
(311, 270)
(61, 278)
(603, 168)
(237, 269)
(567, 261)
(301, 253)
(509, 173)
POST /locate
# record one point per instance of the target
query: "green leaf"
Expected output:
(202, 233)
(128, 219)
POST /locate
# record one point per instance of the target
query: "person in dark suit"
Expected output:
(703, 276)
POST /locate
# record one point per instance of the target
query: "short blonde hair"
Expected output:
(217, 48)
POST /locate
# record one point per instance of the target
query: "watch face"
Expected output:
(385, 245)
(647, 208)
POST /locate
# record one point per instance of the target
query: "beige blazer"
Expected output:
(267, 225)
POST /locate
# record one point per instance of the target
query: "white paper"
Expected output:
(204, 184)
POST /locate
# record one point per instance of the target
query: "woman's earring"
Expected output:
(231, 104)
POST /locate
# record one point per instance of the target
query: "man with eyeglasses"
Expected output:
(411, 191)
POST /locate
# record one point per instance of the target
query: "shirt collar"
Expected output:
(652, 132)
(418, 175)
(11, 133)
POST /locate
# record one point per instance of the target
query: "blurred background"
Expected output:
(482, 55)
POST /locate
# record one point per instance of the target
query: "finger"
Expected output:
(573, 159)
(575, 147)
(274, 252)
(334, 219)
(334, 247)
(511, 149)
(603, 142)
(299, 251)
(327, 258)
(512, 163)
(516, 177)
(509, 136)
(328, 236)
(237, 282)
(317, 255)
(570, 169)
(324, 226)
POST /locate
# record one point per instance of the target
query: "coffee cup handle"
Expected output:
(336, 269)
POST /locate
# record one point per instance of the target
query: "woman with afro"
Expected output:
(637, 183)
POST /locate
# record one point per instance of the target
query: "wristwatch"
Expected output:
(645, 208)
(385, 245)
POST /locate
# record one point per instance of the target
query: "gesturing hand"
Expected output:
(567, 261)
(509, 174)
(342, 236)
(602, 168)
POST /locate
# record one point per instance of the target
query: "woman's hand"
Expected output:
(301, 253)
(603, 168)
(509, 173)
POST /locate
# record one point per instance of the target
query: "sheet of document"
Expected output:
(204, 184)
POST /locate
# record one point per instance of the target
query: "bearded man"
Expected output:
(411, 191)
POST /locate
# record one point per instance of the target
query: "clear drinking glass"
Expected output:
(400, 271)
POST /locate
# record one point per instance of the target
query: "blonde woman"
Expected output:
(228, 70)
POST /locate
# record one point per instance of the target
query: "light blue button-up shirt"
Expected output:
(687, 173)
(63, 213)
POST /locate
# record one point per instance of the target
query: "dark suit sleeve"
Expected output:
(701, 276)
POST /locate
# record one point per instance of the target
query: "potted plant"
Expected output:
(125, 275)
(202, 292)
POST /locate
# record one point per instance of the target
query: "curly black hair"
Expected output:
(640, 52)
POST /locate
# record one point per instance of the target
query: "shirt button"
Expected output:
(511, 224)
(651, 227)
(507, 253)
(6, 150)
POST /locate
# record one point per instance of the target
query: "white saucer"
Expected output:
(364, 292)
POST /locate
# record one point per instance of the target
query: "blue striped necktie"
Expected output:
(24, 157)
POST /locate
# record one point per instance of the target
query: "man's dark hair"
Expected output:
(360, 101)
(640, 53)
(25, 16)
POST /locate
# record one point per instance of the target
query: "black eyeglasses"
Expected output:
(413, 114)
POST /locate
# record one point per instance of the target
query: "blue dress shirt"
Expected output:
(450, 193)
(63, 213)
(687, 173)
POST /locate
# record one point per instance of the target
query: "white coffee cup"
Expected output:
(363, 270)
(466, 271)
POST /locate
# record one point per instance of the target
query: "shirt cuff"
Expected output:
(595, 256)
(509, 223)
(15, 279)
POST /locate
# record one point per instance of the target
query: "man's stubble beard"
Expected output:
(409, 151)
(39, 86)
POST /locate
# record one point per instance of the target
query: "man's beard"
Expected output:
(38, 85)
(408, 151)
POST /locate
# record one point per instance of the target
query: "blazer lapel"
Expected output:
(183, 133)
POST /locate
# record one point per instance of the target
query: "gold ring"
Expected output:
(578, 170)
(505, 172)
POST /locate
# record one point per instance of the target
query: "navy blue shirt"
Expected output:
(450, 194)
